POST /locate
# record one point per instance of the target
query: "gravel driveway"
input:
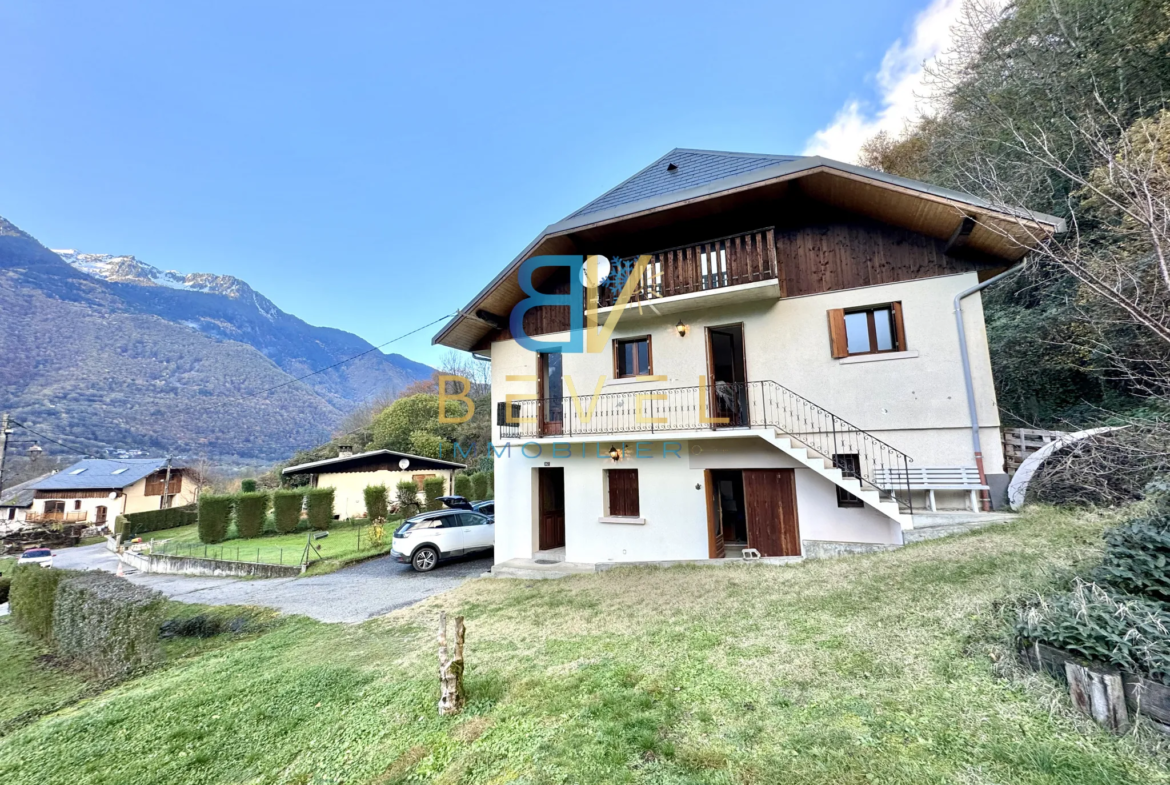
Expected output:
(352, 594)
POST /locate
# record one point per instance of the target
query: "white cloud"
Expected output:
(900, 84)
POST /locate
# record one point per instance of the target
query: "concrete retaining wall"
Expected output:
(186, 565)
(825, 549)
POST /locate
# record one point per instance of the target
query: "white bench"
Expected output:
(931, 479)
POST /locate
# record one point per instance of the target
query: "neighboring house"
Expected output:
(95, 490)
(15, 503)
(805, 304)
(349, 475)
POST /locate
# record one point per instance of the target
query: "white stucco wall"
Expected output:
(672, 500)
(349, 488)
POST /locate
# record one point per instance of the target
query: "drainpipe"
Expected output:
(985, 498)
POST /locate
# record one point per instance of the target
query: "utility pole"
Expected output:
(166, 502)
(4, 433)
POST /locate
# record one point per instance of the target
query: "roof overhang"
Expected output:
(999, 230)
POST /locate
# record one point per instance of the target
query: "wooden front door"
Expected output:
(715, 547)
(552, 509)
(770, 498)
(99, 515)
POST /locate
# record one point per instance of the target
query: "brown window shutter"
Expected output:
(899, 327)
(623, 492)
(838, 342)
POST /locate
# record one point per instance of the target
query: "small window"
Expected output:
(870, 330)
(77, 504)
(632, 357)
(623, 493)
(78, 471)
(420, 479)
(850, 466)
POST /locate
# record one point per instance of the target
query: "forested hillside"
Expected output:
(1058, 105)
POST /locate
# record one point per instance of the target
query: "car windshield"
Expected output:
(37, 553)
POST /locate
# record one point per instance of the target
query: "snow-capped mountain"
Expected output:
(130, 269)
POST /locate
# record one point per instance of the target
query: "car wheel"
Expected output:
(424, 559)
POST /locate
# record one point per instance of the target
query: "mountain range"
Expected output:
(114, 354)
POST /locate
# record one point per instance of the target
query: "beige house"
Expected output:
(802, 363)
(350, 474)
(95, 491)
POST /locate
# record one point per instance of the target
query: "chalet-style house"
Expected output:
(15, 503)
(94, 491)
(788, 373)
(349, 474)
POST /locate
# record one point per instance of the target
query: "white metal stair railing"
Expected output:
(823, 466)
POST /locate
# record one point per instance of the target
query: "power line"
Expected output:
(72, 450)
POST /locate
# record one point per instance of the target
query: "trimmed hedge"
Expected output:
(1137, 558)
(108, 625)
(138, 523)
(286, 509)
(320, 508)
(375, 502)
(479, 486)
(463, 486)
(31, 598)
(247, 486)
(491, 485)
(406, 494)
(214, 514)
(251, 512)
(432, 490)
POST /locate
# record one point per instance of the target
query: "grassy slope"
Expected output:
(873, 669)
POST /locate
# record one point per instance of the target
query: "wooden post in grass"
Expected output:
(1098, 693)
(451, 697)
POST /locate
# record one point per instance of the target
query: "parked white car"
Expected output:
(425, 540)
(41, 556)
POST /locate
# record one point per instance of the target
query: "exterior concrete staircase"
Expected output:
(823, 465)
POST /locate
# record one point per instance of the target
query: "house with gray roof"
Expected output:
(745, 354)
(94, 491)
(15, 502)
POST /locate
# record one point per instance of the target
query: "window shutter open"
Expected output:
(899, 327)
(838, 342)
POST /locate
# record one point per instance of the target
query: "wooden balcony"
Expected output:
(709, 267)
(56, 517)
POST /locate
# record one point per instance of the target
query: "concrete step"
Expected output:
(528, 569)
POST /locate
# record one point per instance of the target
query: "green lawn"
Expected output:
(890, 668)
(347, 541)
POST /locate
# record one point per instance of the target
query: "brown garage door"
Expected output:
(770, 498)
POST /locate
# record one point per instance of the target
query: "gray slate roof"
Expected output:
(692, 168)
(19, 495)
(100, 474)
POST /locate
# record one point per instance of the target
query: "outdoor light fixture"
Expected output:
(682, 329)
(34, 452)
(614, 453)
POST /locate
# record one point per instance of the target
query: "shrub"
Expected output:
(5, 586)
(139, 523)
(463, 486)
(286, 509)
(122, 527)
(198, 626)
(247, 486)
(406, 494)
(1098, 625)
(479, 486)
(320, 508)
(251, 511)
(107, 624)
(375, 501)
(432, 490)
(1137, 559)
(214, 514)
(491, 485)
(31, 598)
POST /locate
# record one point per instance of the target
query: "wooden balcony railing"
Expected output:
(56, 517)
(713, 264)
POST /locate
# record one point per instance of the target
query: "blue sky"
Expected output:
(370, 166)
